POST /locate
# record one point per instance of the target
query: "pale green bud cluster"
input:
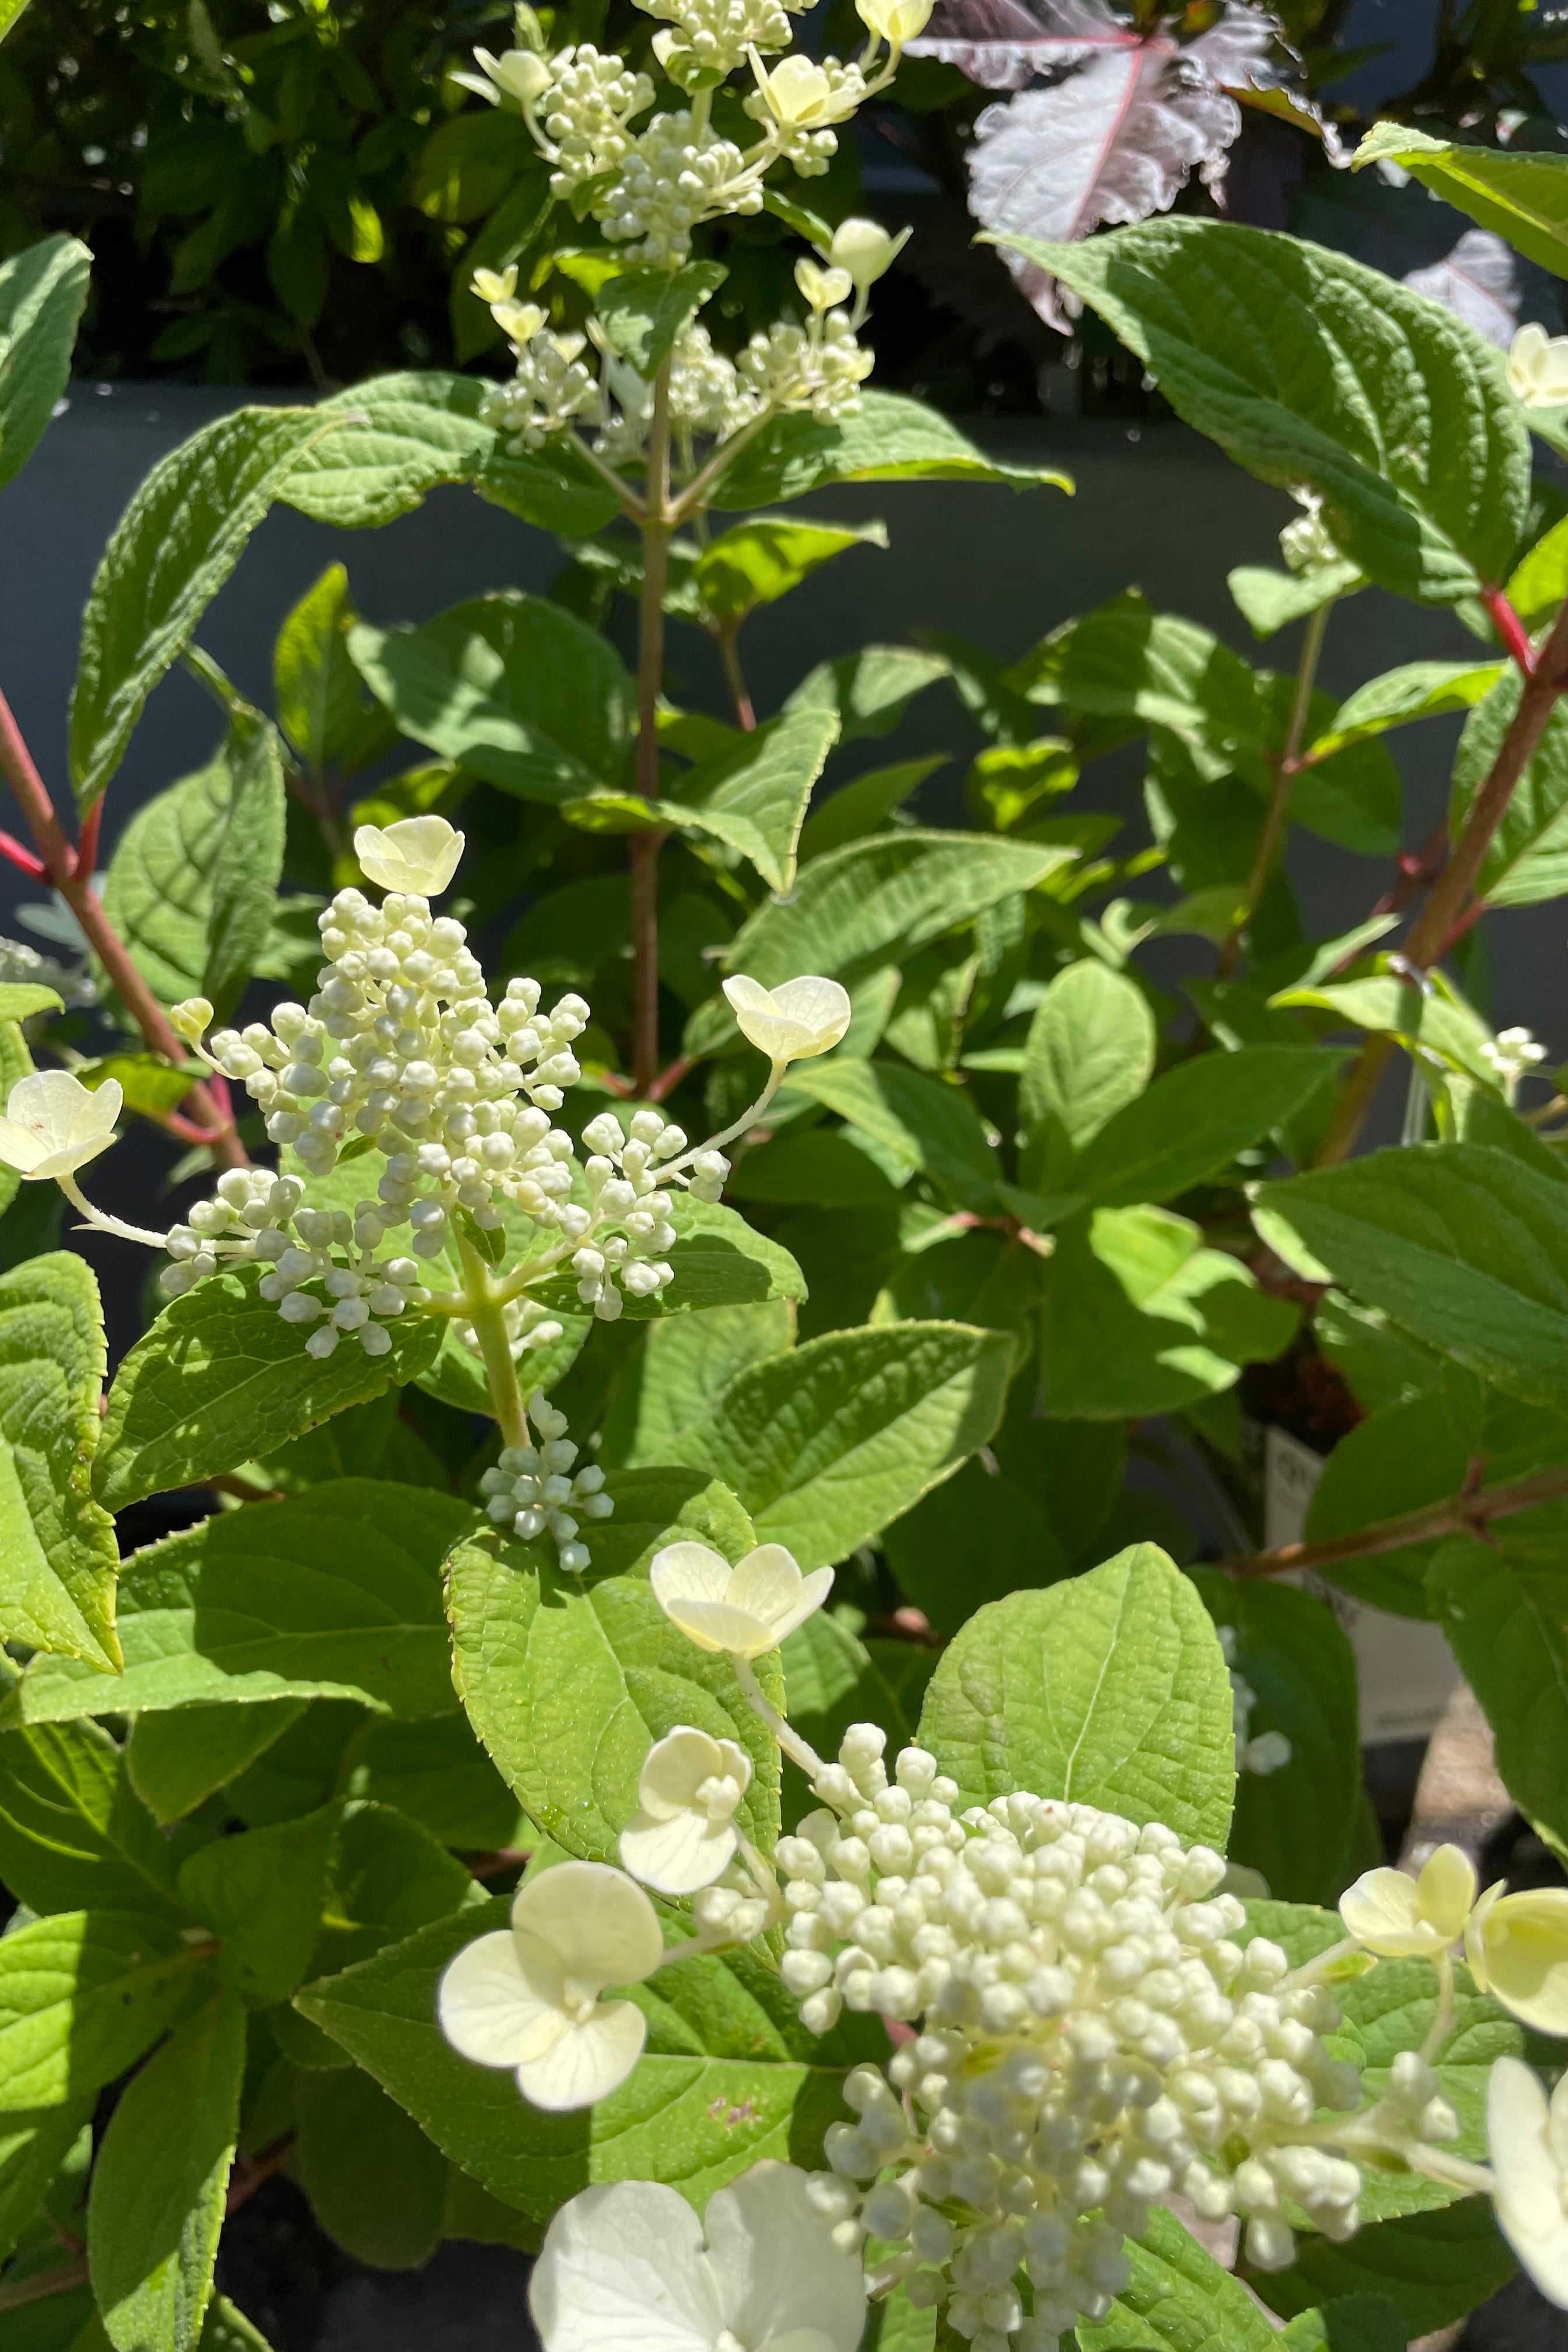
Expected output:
(537, 1489)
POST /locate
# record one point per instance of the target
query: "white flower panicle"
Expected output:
(1513, 1054)
(537, 1489)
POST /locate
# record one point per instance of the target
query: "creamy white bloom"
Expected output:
(418, 854)
(1538, 368)
(630, 2268)
(895, 21)
(792, 1024)
(864, 250)
(1517, 1946)
(527, 1997)
(53, 1125)
(521, 73)
(1528, 2140)
(822, 287)
(801, 95)
(746, 1608)
(684, 1833)
(191, 1018)
(1405, 1918)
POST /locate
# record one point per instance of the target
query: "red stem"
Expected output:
(12, 848)
(1510, 629)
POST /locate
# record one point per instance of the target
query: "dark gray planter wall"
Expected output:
(1159, 507)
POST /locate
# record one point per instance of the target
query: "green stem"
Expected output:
(488, 1315)
(1280, 797)
(657, 529)
(1443, 2017)
(793, 1746)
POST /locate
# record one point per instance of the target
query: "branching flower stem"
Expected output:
(484, 1304)
(657, 526)
(1285, 775)
(798, 1750)
(69, 871)
(1460, 1515)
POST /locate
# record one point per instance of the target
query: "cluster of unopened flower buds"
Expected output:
(536, 1488)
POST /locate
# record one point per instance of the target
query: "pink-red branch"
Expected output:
(1510, 629)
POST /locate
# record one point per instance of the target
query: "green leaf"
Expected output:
(754, 795)
(1109, 1689)
(864, 806)
(1422, 689)
(72, 1831)
(261, 1894)
(1269, 601)
(1191, 1123)
(1351, 2323)
(1317, 374)
(42, 291)
(57, 1556)
(923, 1123)
(832, 1679)
(1539, 580)
(172, 549)
(249, 865)
(33, 2147)
(436, 1773)
(756, 561)
(1431, 1019)
(1435, 2266)
(975, 1539)
(160, 2182)
(1504, 1609)
(335, 1593)
(21, 999)
(569, 1680)
(322, 705)
(175, 1761)
(870, 689)
(1293, 1824)
(825, 1167)
(893, 439)
(643, 311)
(82, 1995)
(376, 2184)
(1178, 2300)
(1523, 198)
(719, 1259)
(390, 1877)
(828, 1444)
(882, 898)
(1089, 1053)
(1526, 857)
(1140, 1317)
(1463, 1247)
(729, 2077)
(679, 1370)
(220, 1379)
(513, 687)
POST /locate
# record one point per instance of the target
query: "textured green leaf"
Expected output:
(569, 1680)
(975, 1539)
(175, 1761)
(754, 795)
(1191, 1123)
(1435, 2266)
(1432, 1018)
(1523, 198)
(220, 1379)
(832, 1679)
(335, 1593)
(1351, 2323)
(719, 1259)
(160, 2183)
(1109, 1689)
(376, 2184)
(1420, 690)
(643, 311)
(826, 1445)
(33, 2147)
(261, 1894)
(1317, 374)
(322, 705)
(1089, 1053)
(680, 1368)
(1178, 2300)
(42, 290)
(870, 689)
(82, 1995)
(864, 806)
(389, 1878)
(513, 686)
(436, 1774)
(21, 999)
(756, 561)
(1504, 1608)
(1463, 1247)
(729, 2078)
(72, 1831)
(172, 549)
(1526, 857)
(58, 1557)
(882, 898)
(923, 1123)
(249, 864)
(1140, 1317)
(893, 439)
(1269, 600)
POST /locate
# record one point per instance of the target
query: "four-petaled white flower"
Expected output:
(1528, 2141)
(791, 1024)
(864, 249)
(896, 21)
(418, 855)
(746, 1608)
(1538, 368)
(53, 1125)
(1517, 1946)
(630, 2268)
(685, 1833)
(527, 1997)
(1405, 1918)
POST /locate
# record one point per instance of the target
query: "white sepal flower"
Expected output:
(1528, 2141)
(630, 2268)
(191, 1018)
(745, 1610)
(1517, 1946)
(418, 855)
(1402, 1918)
(800, 96)
(684, 1834)
(519, 73)
(822, 287)
(864, 250)
(792, 1024)
(1538, 368)
(53, 1125)
(894, 21)
(527, 1997)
